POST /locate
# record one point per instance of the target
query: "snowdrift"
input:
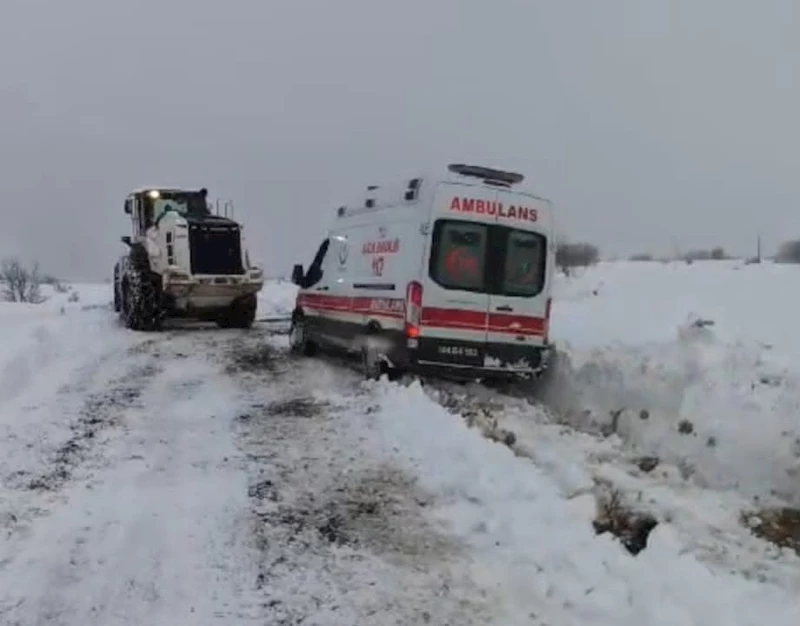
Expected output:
(29, 333)
(276, 299)
(693, 363)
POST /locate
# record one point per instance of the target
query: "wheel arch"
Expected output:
(374, 327)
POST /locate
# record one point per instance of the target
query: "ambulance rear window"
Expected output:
(525, 259)
(458, 257)
(488, 258)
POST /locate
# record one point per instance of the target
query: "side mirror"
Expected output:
(127, 207)
(126, 240)
(298, 274)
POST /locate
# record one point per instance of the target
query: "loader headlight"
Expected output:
(154, 193)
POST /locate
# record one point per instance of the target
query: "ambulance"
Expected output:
(448, 274)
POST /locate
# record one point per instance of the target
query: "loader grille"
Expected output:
(215, 249)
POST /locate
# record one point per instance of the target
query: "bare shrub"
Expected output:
(780, 526)
(641, 257)
(789, 252)
(19, 283)
(712, 254)
(615, 516)
(55, 283)
(571, 255)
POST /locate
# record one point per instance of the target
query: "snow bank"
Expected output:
(721, 398)
(31, 337)
(538, 550)
(277, 299)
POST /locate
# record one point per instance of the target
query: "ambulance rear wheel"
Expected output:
(299, 342)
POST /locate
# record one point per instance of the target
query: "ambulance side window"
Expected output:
(314, 273)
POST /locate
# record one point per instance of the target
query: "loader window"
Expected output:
(524, 264)
(458, 255)
(188, 204)
(161, 206)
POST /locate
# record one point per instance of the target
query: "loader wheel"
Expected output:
(299, 342)
(241, 314)
(141, 302)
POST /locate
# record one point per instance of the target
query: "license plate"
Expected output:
(454, 352)
(467, 352)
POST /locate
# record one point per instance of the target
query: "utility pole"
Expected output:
(758, 249)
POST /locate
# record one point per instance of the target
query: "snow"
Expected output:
(203, 476)
(538, 548)
(737, 382)
(276, 299)
(149, 540)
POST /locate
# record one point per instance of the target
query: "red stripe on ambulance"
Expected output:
(432, 317)
(454, 319)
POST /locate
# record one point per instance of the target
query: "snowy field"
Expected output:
(203, 476)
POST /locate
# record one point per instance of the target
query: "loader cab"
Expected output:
(146, 207)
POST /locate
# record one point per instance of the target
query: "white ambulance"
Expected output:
(448, 274)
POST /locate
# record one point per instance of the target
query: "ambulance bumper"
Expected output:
(471, 360)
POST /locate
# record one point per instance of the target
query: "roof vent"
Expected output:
(489, 175)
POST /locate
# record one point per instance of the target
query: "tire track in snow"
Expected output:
(344, 538)
(51, 441)
(159, 535)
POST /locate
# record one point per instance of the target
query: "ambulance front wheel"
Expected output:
(299, 342)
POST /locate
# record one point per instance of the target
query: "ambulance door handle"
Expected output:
(504, 307)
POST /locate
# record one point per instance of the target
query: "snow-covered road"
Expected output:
(199, 477)
(132, 510)
(206, 477)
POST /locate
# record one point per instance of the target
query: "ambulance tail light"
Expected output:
(547, 319)
(413, 309)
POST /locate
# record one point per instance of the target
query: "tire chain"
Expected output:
(144, 306)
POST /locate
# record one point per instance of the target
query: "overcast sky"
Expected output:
(646, 122)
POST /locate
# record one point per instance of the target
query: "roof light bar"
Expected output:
(486, 173)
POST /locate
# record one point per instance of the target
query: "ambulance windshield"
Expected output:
(484, 258)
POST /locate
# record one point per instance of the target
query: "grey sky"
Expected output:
(642, 121)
